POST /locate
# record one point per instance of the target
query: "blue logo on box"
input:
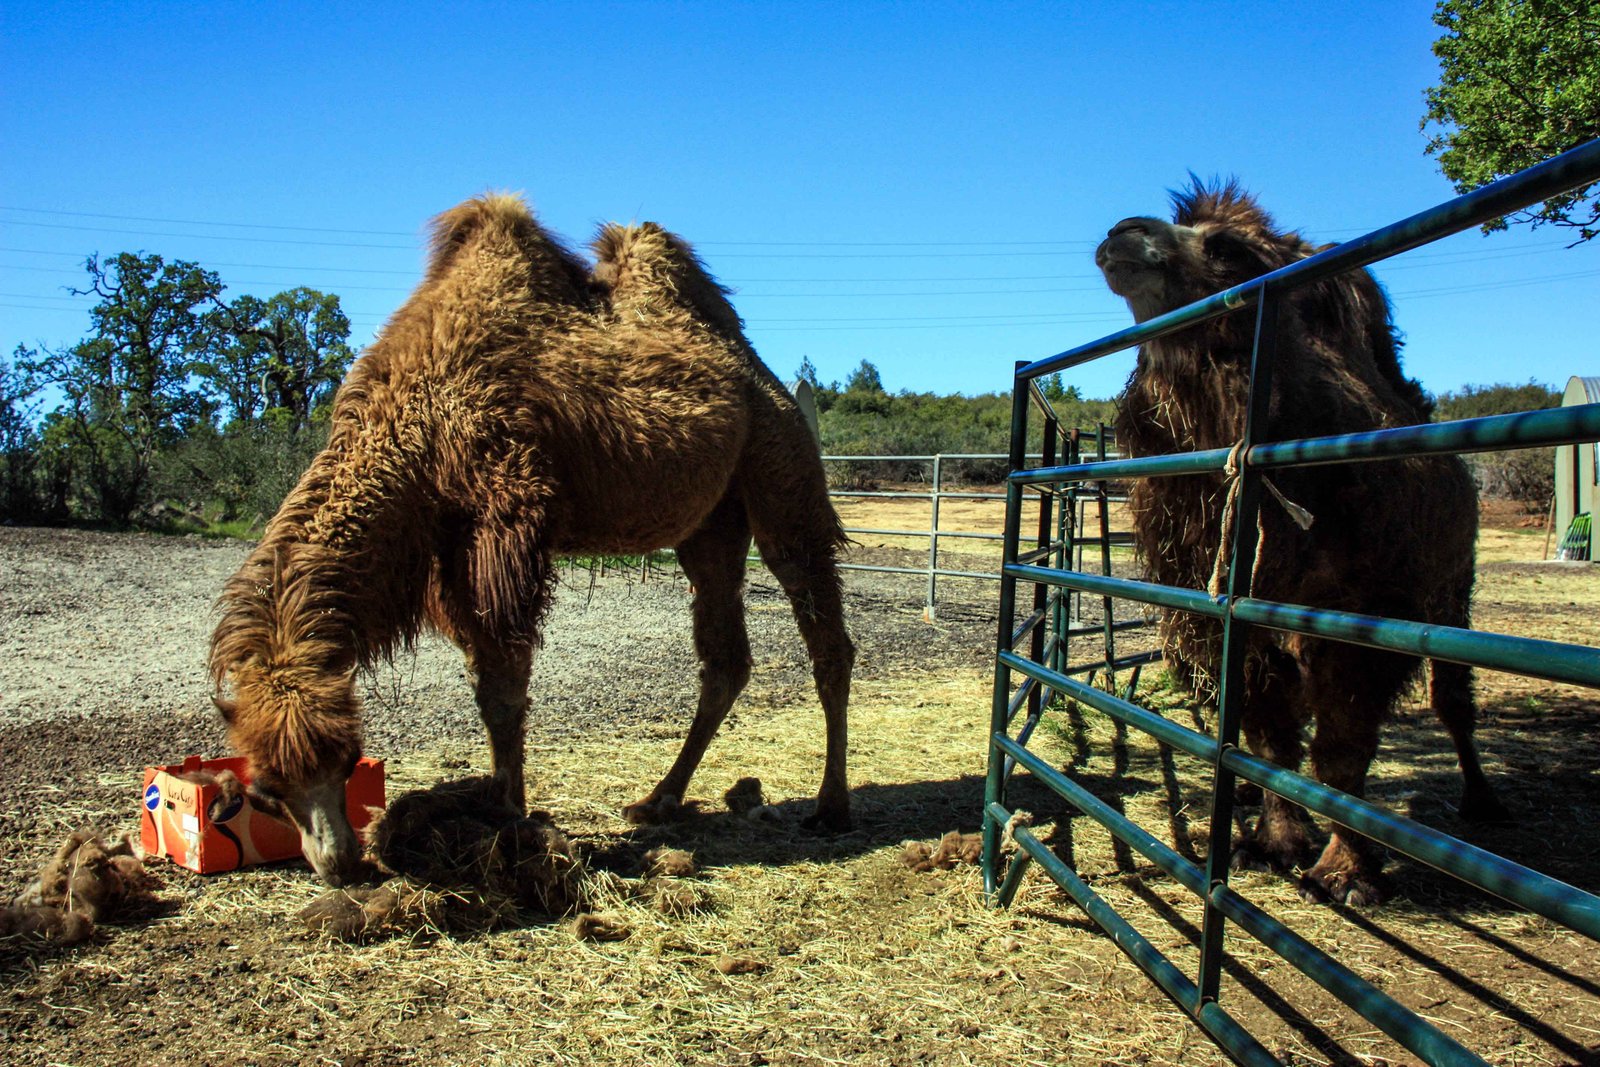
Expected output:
(152, 796)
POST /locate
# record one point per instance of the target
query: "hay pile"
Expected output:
(950, 851)
(86, 882)
(464, 861)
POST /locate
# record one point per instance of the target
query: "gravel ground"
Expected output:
(103, 640)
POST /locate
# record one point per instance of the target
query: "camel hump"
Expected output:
(502, 218)
(644, 267)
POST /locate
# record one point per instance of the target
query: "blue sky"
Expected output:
(920, 185)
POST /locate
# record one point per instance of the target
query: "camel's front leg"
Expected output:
(499, 678)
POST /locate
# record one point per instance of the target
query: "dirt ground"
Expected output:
(854, 957)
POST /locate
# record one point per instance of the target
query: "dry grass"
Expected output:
(787, 948)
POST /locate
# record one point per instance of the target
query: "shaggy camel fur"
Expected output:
(515, 409)
(1389, 538)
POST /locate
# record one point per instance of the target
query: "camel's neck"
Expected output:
(1179, 400)
(340, 576)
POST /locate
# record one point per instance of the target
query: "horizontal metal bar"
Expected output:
(1142, 467)
(969, 535)
(1367, 1001)
(1491, 433)
(1539, 893)
(924, 534)
(1551, 660)
(987, 576)
(1183, 739)
(1573, 168)
(1099, 628)
(1104, 585)
(1222, 1027)
(905, 495)
(1136, 659)
(1027, 625)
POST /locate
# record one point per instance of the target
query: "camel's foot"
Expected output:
(830, 818)
(1481, 805)
(1282, 852)
(1344, 875)
(654, 810)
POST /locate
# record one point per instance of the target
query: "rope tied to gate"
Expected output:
(1233, 475)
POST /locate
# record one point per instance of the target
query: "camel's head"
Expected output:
(300, 732)
(1218, 238)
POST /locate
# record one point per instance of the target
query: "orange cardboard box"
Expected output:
(177, 816)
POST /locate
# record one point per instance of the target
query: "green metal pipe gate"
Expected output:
(1033, 650)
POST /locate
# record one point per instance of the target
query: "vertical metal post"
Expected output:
(933, 544)
(1107, 609)
(994, 783)
(1235, 637)
(1041, 592)
(1067, 533)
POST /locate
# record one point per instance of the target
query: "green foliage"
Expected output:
(20, 496)
(1519, 82)
(1526, 475)
(136, 436)
(238, 476)
(283, 356)
(127, 386)
(863, 419)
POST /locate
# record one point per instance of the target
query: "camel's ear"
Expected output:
(229, 708)
(1235, 254)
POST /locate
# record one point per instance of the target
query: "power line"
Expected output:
(411, 234)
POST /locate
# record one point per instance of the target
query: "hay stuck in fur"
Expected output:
(591, 926)
(87, 881)
(399, 908)
(950, 851)
(746, 798)
(669, 863)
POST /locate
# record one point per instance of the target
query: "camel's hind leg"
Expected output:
(499, 678)
(798, 535)
(1450, 692)
(713, 558)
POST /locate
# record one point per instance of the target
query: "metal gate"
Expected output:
(1031, 650)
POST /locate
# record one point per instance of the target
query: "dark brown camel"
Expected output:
(515, 409)
(1390, 538)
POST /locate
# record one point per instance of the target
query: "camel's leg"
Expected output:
(713, 558)
(499, 678)
(797, 533)
(1272, 723)
(1450, 692)
(1350, 690)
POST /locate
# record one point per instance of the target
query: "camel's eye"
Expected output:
(1233, 254)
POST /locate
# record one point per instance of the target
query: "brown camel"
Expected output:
(1390, 538)
(515, 409)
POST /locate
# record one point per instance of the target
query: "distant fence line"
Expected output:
(934, 534)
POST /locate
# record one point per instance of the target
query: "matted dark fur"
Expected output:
(1391, 538)
(515, 409)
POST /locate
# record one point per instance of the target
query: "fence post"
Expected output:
(994, 783)
(1235, 635)
(933, 544)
